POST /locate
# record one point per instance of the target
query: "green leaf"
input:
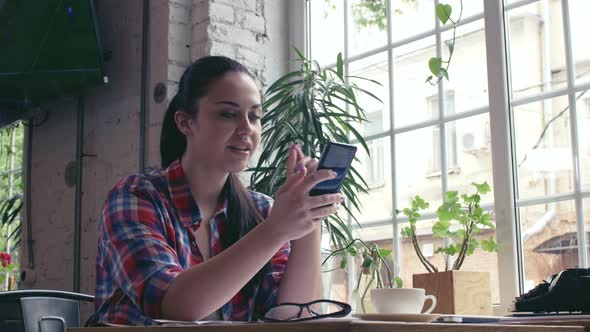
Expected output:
(444, 73)
(489, 245)
(428, 79)
(367, 261)
(440, 228)
(340, 66)
(384, 252)
(352, 251)
(343, 263)
(407, 231)
(399, 283)
(443, 12)
(483, 188)
(435, 64)
(450, 45)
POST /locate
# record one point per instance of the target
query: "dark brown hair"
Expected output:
(242, 214)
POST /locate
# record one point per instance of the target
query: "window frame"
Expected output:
(506, 204)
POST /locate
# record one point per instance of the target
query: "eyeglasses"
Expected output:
(293, 312)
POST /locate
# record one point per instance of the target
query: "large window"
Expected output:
(11, 186)
(438, 138)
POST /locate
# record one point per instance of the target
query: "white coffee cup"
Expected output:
(401, 300)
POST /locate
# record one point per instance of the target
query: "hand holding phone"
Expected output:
(337, 157)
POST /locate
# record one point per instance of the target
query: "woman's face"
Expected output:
(226, 129)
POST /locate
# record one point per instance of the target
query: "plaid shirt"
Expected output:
(145, 239)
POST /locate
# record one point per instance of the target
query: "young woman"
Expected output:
(188, 241)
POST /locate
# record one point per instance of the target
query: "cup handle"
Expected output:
(432, 306)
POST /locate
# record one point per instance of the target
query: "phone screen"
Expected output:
(337, 157)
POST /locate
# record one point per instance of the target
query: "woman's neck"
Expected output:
(205, 183)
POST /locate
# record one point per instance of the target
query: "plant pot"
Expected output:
(458, 292)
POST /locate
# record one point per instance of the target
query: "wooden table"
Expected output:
(350, 326)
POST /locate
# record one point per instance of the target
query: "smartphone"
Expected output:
(337, 157)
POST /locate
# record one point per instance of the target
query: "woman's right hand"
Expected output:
(295, 213)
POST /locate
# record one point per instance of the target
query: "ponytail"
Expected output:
(172, 141)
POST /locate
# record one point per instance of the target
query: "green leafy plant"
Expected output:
(372, 263)
(465, 210)
(438, 66)
(311, 106)
(10, 209)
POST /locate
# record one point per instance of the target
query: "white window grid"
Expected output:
(506, 204)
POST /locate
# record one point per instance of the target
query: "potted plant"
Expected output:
(312, 106)
(372, 263)
(459, 292)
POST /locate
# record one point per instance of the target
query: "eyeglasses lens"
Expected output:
(324, 308)
(283, 312)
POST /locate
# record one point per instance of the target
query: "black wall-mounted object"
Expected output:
(49, 49)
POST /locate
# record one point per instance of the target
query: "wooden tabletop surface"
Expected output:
(348, 326)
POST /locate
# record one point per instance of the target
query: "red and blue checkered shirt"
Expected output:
(145, 239)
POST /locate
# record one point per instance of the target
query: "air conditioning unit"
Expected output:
(474, 140)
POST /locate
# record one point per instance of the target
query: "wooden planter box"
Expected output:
(458, 292)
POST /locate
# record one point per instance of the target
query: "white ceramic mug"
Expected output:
(401, 300)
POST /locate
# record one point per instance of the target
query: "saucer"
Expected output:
(425, 318)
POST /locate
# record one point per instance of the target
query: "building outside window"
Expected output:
(544, 151)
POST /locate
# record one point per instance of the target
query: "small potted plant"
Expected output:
(460, 218)
(373, 262)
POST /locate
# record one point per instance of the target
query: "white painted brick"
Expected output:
(179, 52)
(175, 72)
(179, 14)
(171, 90)
(250, 5)
(223, 49)
(181, 3)
(179, 33)
(233, 34)
(252, 57)
(252, 21)
(221, 13)
(200, 50)
(200, 11)
(199, 32)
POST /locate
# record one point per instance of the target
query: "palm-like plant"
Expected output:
(312, 106)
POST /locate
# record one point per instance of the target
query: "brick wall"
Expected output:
(254, 32)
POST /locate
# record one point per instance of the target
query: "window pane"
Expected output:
(336, 280)
(579, 32)
(583, 126)
(367, 21)
(537, 55)
(374, 68)
(414, 154)
(410, 18)
(543, 148)
(470, 7)
(410, 92)
(327, 15)
(376, 170)
(549, 240)
(468, 79)
(469, 140)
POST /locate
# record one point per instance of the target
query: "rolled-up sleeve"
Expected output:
(135, 250)
(269, 285)
(271, 280)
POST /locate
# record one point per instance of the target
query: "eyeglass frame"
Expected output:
(346, 309)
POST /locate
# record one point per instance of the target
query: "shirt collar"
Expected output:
(187, 209)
